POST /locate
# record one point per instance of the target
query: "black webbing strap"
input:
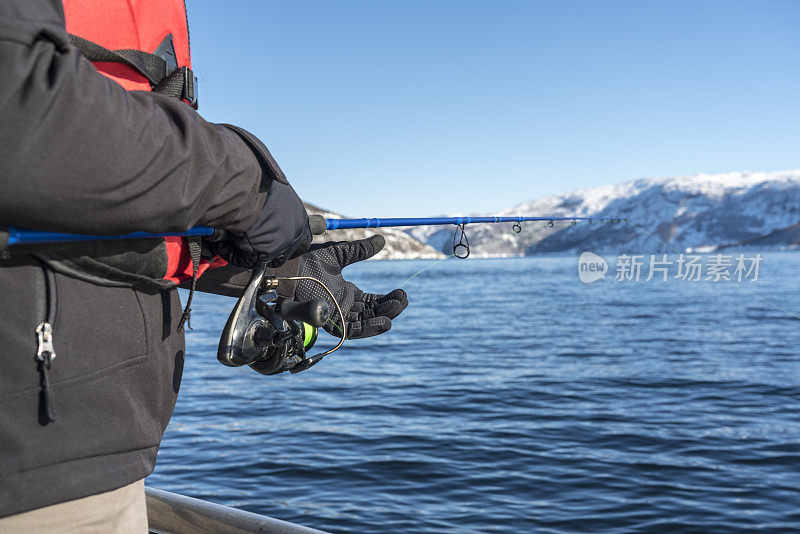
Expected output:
(178, 84)
(150, 66)
(195, 251)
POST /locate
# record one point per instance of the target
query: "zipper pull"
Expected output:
(44, 355)
(45, 334)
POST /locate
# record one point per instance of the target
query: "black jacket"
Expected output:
(80, 154)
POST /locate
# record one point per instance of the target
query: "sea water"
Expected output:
(510, 397)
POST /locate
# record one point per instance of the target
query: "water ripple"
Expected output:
(511, 398)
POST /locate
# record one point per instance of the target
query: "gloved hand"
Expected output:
(279, 232)
(365, 314)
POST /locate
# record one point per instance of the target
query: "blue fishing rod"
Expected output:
(12, 235)
(269, 333)
(320, 224)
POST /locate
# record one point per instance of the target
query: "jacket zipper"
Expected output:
(45, 351)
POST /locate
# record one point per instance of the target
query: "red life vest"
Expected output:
(142, 45)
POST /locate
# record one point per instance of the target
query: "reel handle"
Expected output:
(314, 312)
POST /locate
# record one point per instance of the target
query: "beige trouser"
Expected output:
(120, 511)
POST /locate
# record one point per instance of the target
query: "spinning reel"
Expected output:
(270, 333)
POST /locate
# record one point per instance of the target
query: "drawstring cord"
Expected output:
(193, 243)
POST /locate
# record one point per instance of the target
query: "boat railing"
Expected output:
(171, 513)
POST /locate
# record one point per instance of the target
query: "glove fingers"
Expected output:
(234, 255)
(368, 328)
(359, 295)
(354, 317)
(349, 252)
(367, 314)
(389, 308)
(399, 294)
(370, 299)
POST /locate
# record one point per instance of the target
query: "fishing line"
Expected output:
(437, 262)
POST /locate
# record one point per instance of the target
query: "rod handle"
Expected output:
(318, 224)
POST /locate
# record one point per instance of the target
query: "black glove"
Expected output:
(279, 232)
(365, 314)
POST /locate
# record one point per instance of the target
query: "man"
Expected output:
(91, 341)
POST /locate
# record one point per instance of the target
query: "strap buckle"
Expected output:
(189, 87)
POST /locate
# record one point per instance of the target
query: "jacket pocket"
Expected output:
(91, 328)
(96, 328)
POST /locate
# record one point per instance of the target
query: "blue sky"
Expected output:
(420, 108)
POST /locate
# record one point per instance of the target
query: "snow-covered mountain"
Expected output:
(701, 212)
(399, 245)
